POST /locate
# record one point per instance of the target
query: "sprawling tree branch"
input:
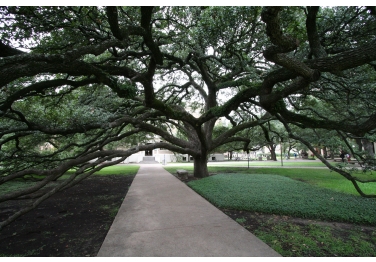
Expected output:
(96, 79)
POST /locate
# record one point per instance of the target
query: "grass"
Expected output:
(118, 170)
(244, 163)
(270, 163)
(19, 184)
(13, 186)
(111, 170)
(317, 177)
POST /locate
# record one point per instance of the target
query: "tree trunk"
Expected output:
(200, 167)
(325, 152)
(359, 143)
(289, 151)
(368, 147)
(273, 155)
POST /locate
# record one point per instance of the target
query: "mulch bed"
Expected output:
(74, 222)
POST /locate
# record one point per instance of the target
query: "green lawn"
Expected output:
(119, 170)
(112, 170)
(244, 163)
(318, 177)
(19, 184)
(270, 163)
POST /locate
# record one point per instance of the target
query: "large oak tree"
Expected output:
(84, 79)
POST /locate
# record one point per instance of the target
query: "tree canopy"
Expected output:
(83, 80)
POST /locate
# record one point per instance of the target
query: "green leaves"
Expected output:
(126, 90)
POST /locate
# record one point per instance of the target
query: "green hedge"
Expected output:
(284, 196)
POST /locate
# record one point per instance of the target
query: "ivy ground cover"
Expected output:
(276, 194)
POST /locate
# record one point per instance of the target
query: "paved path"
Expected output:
(162, 217)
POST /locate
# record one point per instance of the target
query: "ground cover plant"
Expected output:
(73, 222)
(275, 194)
(291, 236)
(287, 234)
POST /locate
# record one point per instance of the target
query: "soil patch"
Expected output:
(70, 223)
(253, 221)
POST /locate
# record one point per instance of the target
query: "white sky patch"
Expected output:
(210, 51)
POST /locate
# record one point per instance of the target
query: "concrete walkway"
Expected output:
(162, 217)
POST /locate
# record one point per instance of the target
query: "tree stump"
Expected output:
(182, 174)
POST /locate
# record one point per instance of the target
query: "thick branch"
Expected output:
(343, 173)
(40, 86)
(313, 36)
(14, 67)
(146, 14)
(112, 16)
(8, 51)
(224, 137)
(283, 44)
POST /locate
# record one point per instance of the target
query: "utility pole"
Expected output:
(248, 157)
(281, 151)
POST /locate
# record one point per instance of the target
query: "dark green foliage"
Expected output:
(281, 195)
